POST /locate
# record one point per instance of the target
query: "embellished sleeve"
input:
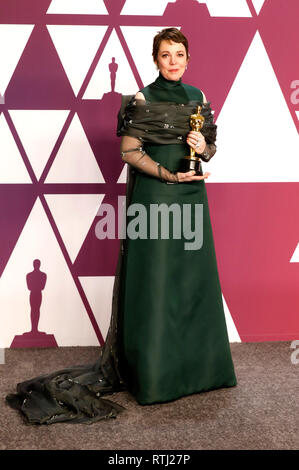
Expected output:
(209, 131)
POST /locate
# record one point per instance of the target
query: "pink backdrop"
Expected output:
(59, 156)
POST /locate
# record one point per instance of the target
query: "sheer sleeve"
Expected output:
(209, 131)
(209, 152)
(132, 153)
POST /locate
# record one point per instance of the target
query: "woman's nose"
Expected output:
(172, 60)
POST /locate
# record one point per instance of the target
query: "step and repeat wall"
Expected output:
(63, 68)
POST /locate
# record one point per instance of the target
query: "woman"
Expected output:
(167, 336)
(175, 337)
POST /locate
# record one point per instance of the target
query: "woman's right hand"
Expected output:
(190, 176)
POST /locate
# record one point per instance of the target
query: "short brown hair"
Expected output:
(169, 34)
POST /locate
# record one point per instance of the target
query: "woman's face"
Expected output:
(172, 59)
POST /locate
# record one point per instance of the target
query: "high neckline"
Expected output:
(162, 82)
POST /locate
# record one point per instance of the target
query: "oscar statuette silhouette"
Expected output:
(36, 281)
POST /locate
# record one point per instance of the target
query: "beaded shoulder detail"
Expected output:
(162, 122)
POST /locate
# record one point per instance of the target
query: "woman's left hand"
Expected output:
(197, 141)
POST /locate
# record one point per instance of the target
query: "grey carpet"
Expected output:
(261, 412)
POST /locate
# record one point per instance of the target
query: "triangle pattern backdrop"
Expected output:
(55, 155)
(13, 39)
(77, 7)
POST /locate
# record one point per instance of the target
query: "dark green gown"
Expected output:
(174, 331)
(167, 336)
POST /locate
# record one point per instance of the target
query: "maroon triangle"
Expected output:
(39, 80)
(16, 202)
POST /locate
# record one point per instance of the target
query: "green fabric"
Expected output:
(174, 331)
(162, 122)
(167, 336)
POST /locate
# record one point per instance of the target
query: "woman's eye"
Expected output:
(166, 55)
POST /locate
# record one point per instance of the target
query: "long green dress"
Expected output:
(167, 336)
(174, 331)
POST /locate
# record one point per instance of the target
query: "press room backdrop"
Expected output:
(63, 67)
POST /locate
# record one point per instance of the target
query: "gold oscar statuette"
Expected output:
(192, 161)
